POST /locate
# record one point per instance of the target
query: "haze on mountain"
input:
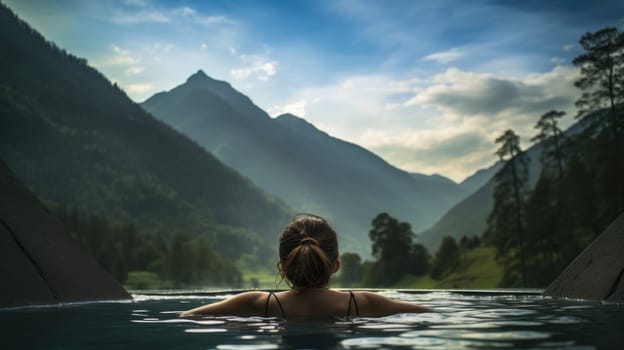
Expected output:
(469, 216)
(77, 140)
(308, 169)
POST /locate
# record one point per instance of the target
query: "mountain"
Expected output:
(473, 182)
(446, 188)
(308, 169)
(77, 140)
(469, 216)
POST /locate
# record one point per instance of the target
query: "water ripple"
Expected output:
(461, 321)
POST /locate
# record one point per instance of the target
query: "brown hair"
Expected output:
(308, 250)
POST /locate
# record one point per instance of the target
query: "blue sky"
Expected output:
(427, 85)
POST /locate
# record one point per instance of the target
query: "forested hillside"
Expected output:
(469, 216)
(547, 203)
(77, 140)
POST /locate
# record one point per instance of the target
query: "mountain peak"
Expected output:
(202, 79)
(198, 76)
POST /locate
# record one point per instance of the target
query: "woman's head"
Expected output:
(308, 252)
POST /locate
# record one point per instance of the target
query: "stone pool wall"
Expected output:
(597, 273)
(39, 262)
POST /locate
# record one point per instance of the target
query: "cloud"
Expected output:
(205, 20)
(133, 70)
(122, 61)
(139, 88)
(444, 124)
(143, 16)
(568, 47)
(476, 108)
(452, 149)
(346, 102)
(297, 108)
(445, 56)
(146, 13)
(256, 66)
(453, 156)
(213, 20)
(186, 11)
(121, 58)
(460, 93)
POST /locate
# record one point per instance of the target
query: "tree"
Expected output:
(390, 237)
(547, 216)
(506, 221)
(545, 234)
(419, 260)
(446, 259)
(182, 259)
(392, 245)
(547, 126)
(602, 83)
(350, 269)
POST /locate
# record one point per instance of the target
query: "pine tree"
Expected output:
(547, 126)
(602, 82)
(505, 228)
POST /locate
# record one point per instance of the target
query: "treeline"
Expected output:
(146, 261)
(396, 256)
(538, 231)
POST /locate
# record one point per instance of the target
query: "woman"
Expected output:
(308, 257)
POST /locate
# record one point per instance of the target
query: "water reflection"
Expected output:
(462, 321)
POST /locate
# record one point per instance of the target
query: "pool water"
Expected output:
(471, 320)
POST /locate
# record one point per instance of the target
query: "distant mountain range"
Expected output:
(75, 139)
(305, 167)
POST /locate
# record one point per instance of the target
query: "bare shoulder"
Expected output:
(242, 304)
(250, 297)
(369, 296)
(374, 304)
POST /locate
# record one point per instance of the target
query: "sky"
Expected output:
(426, 85)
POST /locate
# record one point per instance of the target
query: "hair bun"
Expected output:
(308, 241)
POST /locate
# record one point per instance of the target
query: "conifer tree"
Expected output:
(602, 83)
(505, 228)
(547, 126)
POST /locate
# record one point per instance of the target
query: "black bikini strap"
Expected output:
(266, 307)
(352, 298)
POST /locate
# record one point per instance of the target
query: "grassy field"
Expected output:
(478, 270)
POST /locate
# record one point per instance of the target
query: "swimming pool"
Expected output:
(472, 320)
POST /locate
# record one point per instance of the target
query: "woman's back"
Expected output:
(313, 302)
(308, 303)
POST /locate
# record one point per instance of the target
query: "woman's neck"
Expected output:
(303, 290)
